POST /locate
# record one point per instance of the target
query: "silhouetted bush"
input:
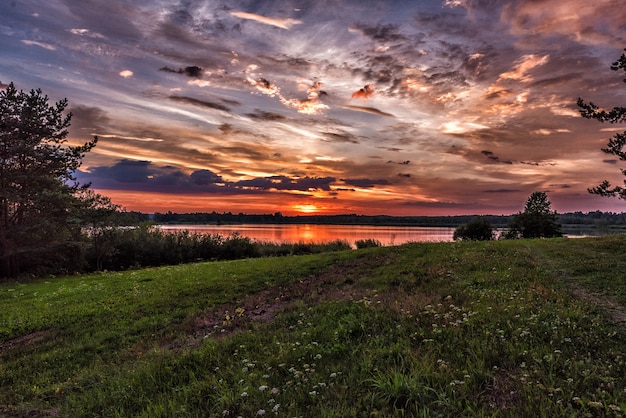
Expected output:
(479, 229)
(537, 220)
(367, 243)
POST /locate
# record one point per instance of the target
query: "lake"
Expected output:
(289, 233)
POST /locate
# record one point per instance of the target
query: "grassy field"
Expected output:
(505, 328)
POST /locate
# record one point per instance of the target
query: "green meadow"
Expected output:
(519, 328)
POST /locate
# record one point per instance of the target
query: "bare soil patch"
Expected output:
(615, 311)
(340, 282)
(24, 341)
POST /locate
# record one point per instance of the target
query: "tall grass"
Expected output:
(149, 246)
(445, 329)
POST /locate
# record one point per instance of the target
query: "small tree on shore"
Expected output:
(616, 144)
(478, 229)
(536, 221)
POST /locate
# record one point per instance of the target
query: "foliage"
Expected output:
(441, 329)
(367, 243)
(479, 229)
(36, 165)
(147, 245)
(536, 221)
(616, 144)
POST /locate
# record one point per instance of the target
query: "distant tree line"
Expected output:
(498, 221)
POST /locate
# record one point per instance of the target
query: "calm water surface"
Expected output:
(387, 235)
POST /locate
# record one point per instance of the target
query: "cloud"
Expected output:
(88, 120)
(365, 183)
(86, 32)
(448, 82)
(492, 157)
(341, 137)
(501, 190)
(264, 86)
(365, 92)
(267, 116)
(599, 23)
(191, 71)
(43, 45)
(522, 66)
(380, 32)
(205, 177)
(286, 183)
(143, 175)
(199, 103)
(312, 105)
(370, 110)
(279, 23)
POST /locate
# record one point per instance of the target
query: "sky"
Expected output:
(417, 107)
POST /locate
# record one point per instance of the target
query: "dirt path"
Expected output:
(616, 311)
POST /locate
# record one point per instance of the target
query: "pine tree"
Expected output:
(616, 144)
(37, 188)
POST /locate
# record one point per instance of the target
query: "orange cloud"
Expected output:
(265, 86)
(364, 93)
(312, 105)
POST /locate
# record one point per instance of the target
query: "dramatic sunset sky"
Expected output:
(418, 107)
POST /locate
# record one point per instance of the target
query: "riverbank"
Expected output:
(507, 328)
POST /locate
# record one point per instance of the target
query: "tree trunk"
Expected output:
(9, 265)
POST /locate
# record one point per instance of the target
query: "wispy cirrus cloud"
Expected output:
(43, 45)
(279, 23)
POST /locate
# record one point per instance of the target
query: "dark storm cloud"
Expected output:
(341, 137)
(365, 183)
(127, 171)
(492, 157)
(199, 103)
(263, 115)
(205, 177)
(87, 120)
(286, 183)
(192, 71)
(380, 32)
(146, 176)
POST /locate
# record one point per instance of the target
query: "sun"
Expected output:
(306, 208)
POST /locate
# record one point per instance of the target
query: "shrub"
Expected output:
(478, 229)
(367, 243)
(536, 221)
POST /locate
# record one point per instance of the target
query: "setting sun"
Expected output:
(308, 208)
